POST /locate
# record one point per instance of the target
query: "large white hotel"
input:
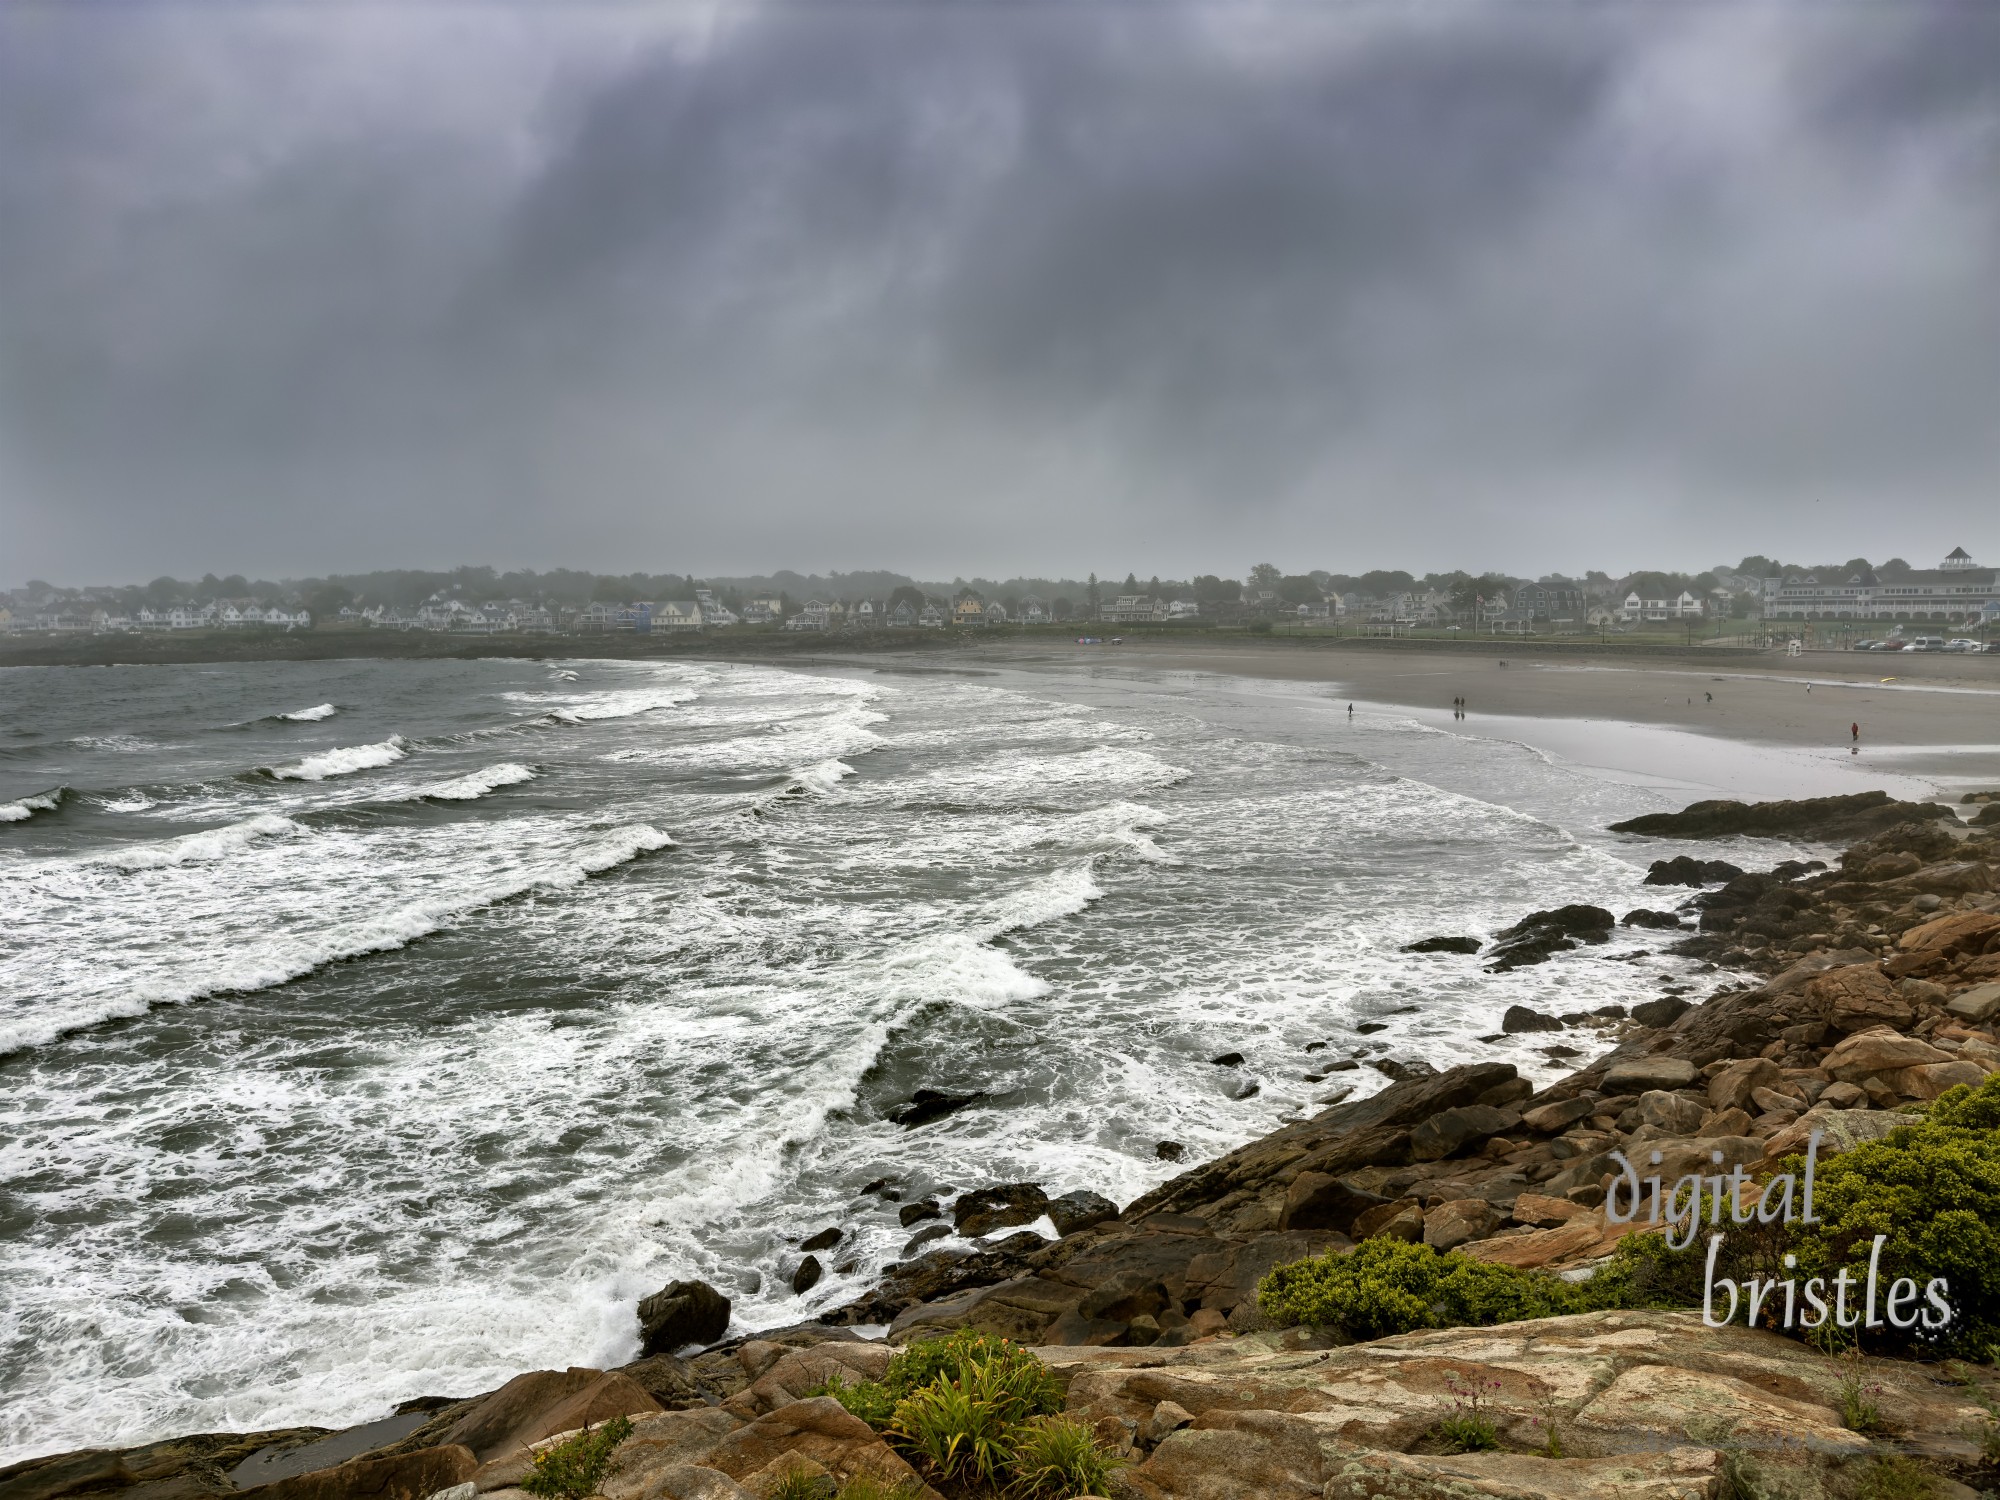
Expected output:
(1957, 589)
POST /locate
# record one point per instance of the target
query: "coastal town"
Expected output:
(1950, 607)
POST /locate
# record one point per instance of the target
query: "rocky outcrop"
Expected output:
(1540, 934)
(1823, 819)
(1878, 986)
(680, 1314)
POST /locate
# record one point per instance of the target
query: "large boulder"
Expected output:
(1732, 1087)
(987, 1209)
(1451, 1130)
(1684, 869)
(1519, 1018)
(1977, 1005)
(1856, 997)
(1080, 1210)
(1867, 1053)
(400, 1476)
(1635, 1075)
(682, 1313)
(1319, 1200)
(1824, 819)
(1541, 934)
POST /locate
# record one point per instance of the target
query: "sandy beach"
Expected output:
(1929, 726)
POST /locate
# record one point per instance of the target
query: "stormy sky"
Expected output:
(959, 287)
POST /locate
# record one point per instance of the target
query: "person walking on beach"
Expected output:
(1854, 734)
(1350, 713)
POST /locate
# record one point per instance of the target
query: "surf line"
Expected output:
(1682, 1212)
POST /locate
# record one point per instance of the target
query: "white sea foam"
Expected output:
(261, 954)
(477, 784)
(207, 845)
(822, 777)
(344, 761)
(497, 1142)
(591, 708)
(128, 744)
(311, 715)
(27, 807)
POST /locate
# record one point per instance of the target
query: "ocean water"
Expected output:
(373, 1030)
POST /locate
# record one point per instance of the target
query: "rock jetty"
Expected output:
(1876, 985)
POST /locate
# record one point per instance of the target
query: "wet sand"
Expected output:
(1937, 723)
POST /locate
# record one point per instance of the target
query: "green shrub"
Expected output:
(1933, 1187)
(571, 1469)
(960, 1434)
(798, 1484)
(1007, 1371)
(979, 1413)
(869, 1400)
(1895, 1478)
(1059, 1456)
(1386, 1286)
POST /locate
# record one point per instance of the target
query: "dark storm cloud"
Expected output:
(971, 288)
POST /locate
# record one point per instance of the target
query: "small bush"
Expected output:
(1859, 1410)
(868, 1487)
(572, 1469)
(869, 1400)
(1386, 1286)
(797, 1484)
(1059, 1456)
(1895, 1478)
(960, 1435)
(1933, 1187)
(1467, 1434)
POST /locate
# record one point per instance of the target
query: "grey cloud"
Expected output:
(964, 288)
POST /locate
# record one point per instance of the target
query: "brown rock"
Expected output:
(1636, 1075)
(1961, 932)
(1668, 1112)
(1868, 1052)
(1319, 1200)
(1732, 1086)
(1549, 1118)
(1953, 879)
(1725, 1122)
(1451, 1224)
(1451, 1130)
(1928, 1080)
(1977, 1005)
(820, 1429)
(1401, 1220)
(1859, 996)
(515, 1415)
(1547, 1213)
(403, 1476)
(682, 1313)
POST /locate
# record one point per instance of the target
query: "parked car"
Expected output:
(1867, 645)
(1928, 643)
(1961, 643)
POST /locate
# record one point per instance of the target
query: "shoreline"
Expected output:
(1470, 1159)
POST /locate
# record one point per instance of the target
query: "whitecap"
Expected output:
(27, 807)
(310, 715)
(477, 784)
(209, 844)
(342, 761)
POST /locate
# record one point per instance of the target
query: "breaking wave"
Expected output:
(200, 848)
(40, 802)
(285, 957)
(477, 784)
(309, 715)
(346, 759)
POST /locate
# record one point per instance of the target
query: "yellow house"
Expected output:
(969, 612)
